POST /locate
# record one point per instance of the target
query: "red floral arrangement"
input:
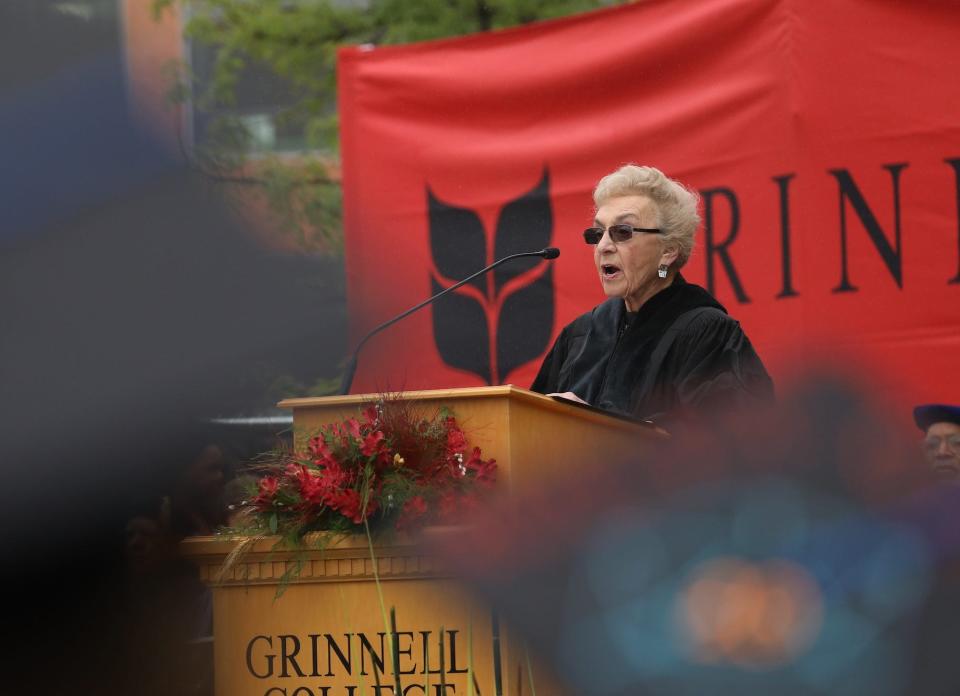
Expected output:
(387, 468)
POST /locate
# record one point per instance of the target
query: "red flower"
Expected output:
(349, 504)
(268, 487)
(353, 426)
(313, 487)
(336, 476)
(485, 471)
(317, 446)
(412, 511)
(350, 459)
(456, 440)
(371, 415)
(320, 451)
(373, 444)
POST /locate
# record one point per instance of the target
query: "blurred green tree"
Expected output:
(293, 43)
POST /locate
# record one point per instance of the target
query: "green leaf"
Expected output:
(273, 523)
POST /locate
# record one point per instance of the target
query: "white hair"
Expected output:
(676, 205)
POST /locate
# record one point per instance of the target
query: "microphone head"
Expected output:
(550, 253)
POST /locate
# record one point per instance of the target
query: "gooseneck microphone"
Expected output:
(549, 253)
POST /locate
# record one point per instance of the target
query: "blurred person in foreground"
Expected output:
(137, 295)
(796, 551)
(940, 424)
(659, 348)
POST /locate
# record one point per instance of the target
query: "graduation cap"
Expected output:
(928, 414)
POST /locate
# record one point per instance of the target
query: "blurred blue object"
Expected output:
(69, 146)
(806, 550)
(624, 625)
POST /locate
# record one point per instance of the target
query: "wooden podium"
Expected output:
(328, 634)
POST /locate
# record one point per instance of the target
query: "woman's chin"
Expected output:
(613, 288)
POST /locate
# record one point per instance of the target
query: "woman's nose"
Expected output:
(605, 242)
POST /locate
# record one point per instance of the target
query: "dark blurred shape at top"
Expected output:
(71, 33)
(64, 131)
(805, 551)
(928, 414)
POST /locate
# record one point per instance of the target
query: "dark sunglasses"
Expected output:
(618, 233)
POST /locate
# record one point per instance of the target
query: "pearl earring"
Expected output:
(662, 271)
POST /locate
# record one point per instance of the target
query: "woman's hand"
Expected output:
(569, 396)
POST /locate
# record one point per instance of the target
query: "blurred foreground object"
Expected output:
(803, 552)
(134, 306)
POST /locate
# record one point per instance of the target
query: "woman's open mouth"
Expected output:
(609, 272)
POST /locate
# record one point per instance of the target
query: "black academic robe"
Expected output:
(680, 355)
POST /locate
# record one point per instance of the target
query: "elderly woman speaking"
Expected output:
(659, 348)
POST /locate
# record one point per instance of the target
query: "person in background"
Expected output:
(197, 495)
(940, 424)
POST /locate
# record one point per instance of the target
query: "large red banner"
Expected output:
(824, 139)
